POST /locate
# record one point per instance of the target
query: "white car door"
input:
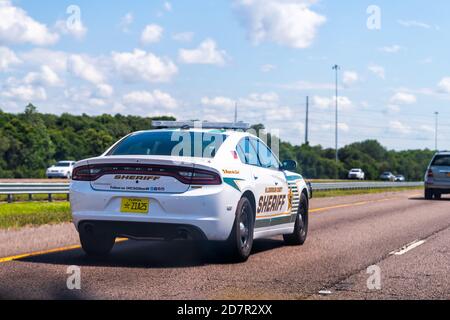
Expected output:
(273, 200)
(260, 181)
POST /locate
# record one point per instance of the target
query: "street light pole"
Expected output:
(436, 130)
(336, 68)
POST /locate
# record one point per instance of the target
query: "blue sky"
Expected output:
(195, 59)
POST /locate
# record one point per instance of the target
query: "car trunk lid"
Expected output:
(142, 175)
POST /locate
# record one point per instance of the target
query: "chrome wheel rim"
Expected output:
(244, 227)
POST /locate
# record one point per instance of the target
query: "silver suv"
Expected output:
(437, 178)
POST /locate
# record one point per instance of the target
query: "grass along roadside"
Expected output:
(342, 193)
(18, 215)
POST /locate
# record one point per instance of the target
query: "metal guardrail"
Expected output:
(362, 185)
(50, 189)
(30, 189)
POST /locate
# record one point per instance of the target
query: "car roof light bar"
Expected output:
(200, 125)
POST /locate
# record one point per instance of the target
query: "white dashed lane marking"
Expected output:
(408, 248)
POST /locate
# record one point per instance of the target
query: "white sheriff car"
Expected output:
(184, 183)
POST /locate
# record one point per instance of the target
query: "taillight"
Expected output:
(204, 177)
(86, 173)
(430, 174)
(183, 174)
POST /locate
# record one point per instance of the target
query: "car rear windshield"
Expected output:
(170, 143)
(63, 164)
(441, 161)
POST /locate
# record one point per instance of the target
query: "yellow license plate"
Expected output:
(135, 205)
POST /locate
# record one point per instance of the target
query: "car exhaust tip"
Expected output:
(183, 234)
(88, 228)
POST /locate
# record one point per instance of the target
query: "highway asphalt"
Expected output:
(347, 235)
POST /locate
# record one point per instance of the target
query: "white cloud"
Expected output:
(156, 98)
(82, 67)
(16, 26)
(104, 90)
(78, 30)
(206, 53)
(289, 22)
(151, 34)
(391, 49)
(167, 6)
(392, 108)
(126, 21)
(398, 127)
(183, 36)
(8, 59)
(46, 76)
(307, 86)
(403, 98)
(444, 85)
(328, 103)
(256, 101)
(57, 60)
(24, 93)
(342, 126)
(218, 102)
(140, 65)
(268, 68)
(414, 23)
(378, 71)
(350, 78)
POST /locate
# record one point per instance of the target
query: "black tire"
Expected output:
(96, 244)
(437, 196)
(298, 238)
(240, 242)
(428, 194)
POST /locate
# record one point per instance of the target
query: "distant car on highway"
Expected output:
(62, 169)
(357, 174)
(400, 178)
(387, 176)
(437, 177)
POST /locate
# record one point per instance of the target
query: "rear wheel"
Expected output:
(428, 194)
(240, 242)
(300, 234)
(95, 243)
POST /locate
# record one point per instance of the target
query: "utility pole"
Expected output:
(307, 122)
(336, 68)
(436, 131)
(236, 113)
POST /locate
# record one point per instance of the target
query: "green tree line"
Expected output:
(31, 141)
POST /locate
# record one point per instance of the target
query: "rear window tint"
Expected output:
(441, 161)
(170, 143)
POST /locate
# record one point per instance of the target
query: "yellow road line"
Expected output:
(43, 252)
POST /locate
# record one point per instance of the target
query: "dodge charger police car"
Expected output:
(217, 185)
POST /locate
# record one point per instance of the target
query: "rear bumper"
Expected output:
(56, 175)
(210, 210)
(443, 188)
(139, 230)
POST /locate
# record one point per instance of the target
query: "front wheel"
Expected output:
(240, 243)
(300, 234)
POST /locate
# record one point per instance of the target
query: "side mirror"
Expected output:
(289, 165)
